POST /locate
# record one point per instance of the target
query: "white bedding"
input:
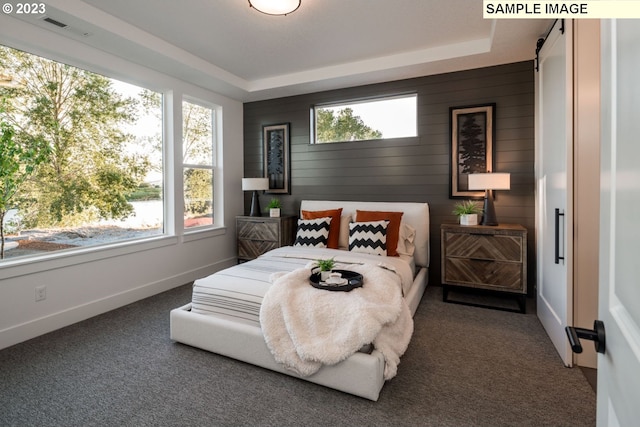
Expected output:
(306, 328)
(236, 293)
(230, 325)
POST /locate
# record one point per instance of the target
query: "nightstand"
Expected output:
(257, 235)
(487, 258)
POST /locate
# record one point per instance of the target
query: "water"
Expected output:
(148, 214)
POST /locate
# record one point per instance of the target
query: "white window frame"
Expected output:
(353, 102)
(57, 259)
(216, 136)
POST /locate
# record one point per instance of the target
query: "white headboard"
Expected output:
(415, 214)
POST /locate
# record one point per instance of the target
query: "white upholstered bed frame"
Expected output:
(361, 374)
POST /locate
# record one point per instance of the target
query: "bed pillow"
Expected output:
(313, 232)
(368, 237)
(406, 245)
(343, 240)
(393, 231)
(334, 229)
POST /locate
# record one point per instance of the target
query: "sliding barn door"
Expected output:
(554, 138)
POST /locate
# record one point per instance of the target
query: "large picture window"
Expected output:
(198, 145)
(80, 157)
(368, 119)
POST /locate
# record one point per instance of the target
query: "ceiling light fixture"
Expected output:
(275, 7)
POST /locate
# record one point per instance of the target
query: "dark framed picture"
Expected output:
(472, 133)
(276, 157)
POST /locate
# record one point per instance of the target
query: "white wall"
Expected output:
(97, 280)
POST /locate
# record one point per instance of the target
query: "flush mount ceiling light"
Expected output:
(275, 7)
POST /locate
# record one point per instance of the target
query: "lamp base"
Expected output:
(255, 204)
(489, 211)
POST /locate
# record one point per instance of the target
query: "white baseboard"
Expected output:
(34, 328)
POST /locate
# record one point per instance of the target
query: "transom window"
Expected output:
(366, 119)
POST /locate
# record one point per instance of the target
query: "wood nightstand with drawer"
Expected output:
(257, 234)
(489, 258)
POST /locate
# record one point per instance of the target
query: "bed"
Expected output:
(219, 322)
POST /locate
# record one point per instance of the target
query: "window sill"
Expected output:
(69, 257)
(203, 233)
(370, 143)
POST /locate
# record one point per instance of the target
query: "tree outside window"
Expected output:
(100, 147)
(198, 162)
(366, 119)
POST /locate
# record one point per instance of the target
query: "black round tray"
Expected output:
(354, 280)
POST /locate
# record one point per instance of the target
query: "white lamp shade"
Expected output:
(251, 184)
(275, 7)
(490, 181)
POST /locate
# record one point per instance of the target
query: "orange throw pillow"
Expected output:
(393, 230)
(334, 228)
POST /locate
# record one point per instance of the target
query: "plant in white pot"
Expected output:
(325, 266)
(468, 212)
(274, 208)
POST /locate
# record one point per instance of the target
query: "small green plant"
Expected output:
(274, 204)
(326, 264)
(466, 208)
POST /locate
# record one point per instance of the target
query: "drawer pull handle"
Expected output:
(482, 259)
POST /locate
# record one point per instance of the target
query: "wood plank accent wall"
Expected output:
(408, 169)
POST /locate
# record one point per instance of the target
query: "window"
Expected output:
(81, 157)
(358, 120)
(198, 145)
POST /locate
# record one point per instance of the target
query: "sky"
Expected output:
(394, 117)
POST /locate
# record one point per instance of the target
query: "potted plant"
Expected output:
(325, 266)
(274, 208)
(468, 212)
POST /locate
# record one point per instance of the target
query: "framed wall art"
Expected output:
(276, 157)
(472, 134)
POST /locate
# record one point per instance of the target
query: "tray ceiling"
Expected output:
(226, 46)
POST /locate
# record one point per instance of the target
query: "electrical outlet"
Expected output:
(41, 293)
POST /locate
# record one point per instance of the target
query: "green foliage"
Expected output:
(274, 203)
(80, 116)
(198, 184)
(197, 137)
(343, 127)
(19, 158)
(197, 146)
(326, 264)
(466, 207)
(146, 192)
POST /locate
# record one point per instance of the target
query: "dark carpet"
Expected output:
(465, 366)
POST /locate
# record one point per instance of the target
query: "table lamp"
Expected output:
(489, 182)
(255, 185)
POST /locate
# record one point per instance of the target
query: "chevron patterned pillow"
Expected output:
(313, 232)
(368, 237)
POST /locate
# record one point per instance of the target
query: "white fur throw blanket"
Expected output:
(306, 328)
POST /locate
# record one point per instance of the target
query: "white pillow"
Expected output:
(406, 240)
(368, 237)
(313, 232)
(343, 238)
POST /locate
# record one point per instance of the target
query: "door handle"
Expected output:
(597, 335)
(558, 214)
